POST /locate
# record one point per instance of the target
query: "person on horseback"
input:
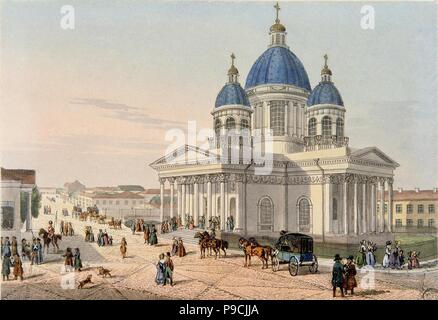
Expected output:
(50, 230)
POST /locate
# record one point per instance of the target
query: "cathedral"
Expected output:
(317, 183)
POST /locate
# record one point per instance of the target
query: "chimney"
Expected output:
(417, 190)
(400, 190)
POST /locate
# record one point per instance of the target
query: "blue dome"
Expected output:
(325, 93)
(278, 65)
(232, 93)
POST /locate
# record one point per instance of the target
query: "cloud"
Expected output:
(127, 113)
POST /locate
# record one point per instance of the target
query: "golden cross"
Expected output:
(232, 59)
(277, 8)
(325, 58)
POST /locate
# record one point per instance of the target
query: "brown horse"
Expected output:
(251, 249)
(206, 242)
(47, 240)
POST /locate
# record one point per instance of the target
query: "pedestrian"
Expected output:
(6, 267)
(68, 262)
(6, 247)
(14, 246)
(350, 275)
(100, 238)
(174, 250)
(161, 269)
(133, 227)
(371, 259)
(169, 269)
(2, 244)
(337, 275)
(361, 257)
(18, 268)
(146, 234)
(40, 251)
(123, 248)
(34, 254)
(77, 261)
(388, 250)
(153, 240)
(181, 248)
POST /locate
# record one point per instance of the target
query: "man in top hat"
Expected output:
(337, 275)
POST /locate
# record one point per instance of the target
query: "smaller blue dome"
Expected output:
(325, 93)
(232, 93)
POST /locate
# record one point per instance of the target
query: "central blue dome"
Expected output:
(278, 65)
(232, 93)
(325, 93)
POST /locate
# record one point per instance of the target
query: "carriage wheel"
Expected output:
(314, 267)
(275, 263)
(293, 266)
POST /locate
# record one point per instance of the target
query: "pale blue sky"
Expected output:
(93, 103)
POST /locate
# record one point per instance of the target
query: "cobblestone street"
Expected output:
(224, 278)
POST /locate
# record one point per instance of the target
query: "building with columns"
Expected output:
(317, 184)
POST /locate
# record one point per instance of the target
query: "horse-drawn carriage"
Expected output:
(296, 249)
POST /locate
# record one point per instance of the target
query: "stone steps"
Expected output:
(187, 236)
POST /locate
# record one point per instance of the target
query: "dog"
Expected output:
(104, 272)
(85, 281)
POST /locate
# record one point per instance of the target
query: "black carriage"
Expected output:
(296, 249)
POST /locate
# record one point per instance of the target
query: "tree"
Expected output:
(24, 204)
(36, 202)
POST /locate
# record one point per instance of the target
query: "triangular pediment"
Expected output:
(184, 155)
(373, 154)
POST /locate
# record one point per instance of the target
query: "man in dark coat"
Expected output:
(337, 275)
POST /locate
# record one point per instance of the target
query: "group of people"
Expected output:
(66, 228)
(229, 224)
(394, 257)
(47, 209)
(103, 239)
(150, 235)
(64, 212)
(165, 269)
(178, 248)
(72, 260)
(166, 226)
(366, 254)
(344, 275)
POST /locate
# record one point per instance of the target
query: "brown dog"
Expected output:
(85, 281)
(104, 272)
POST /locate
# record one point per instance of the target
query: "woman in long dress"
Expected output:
(387, 254)
(161, 269)
(146, 234)
(350, 275)
(174, 250)
(181, 249)
(123, 248)
(18, 268)
(78, 261)
(68, 258)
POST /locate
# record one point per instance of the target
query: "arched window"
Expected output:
(339, 128)
(233, 208)
(217, 126)
(230, 123)
(312, 127)
(326, 127)
(277, 118)
(335, 209)
(7, 217)
(304, 215)
(244, 124)
(266, 214)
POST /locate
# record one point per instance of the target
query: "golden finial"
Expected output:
(232, 58)
(326, 69)
(325, 58)
(233, 70)
(277, 8)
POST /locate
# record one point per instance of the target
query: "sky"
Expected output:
(94, 103)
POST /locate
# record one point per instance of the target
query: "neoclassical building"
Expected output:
(318, 184)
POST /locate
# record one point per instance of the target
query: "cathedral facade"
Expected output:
(317, 184)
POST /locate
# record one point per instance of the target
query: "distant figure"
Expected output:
(168, 275)
(133, 227)
(14, 246)
(78, 261)
(174, 250)
(337, 275)
(68, 255)
(146, 234)
(161, 269)
(388, 250)
(350, 275)
(6, 267)
(181, 248)
(40, 251)
(123, 247)
(153, 236)
(18, 268)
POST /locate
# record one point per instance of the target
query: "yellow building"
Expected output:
(414, 208)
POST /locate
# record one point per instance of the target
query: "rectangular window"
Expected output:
(134, 202)
(431, 208)
(117, 202)
(398, 208)
(420, 223)
(277, 117)
(398, 223)
(409, 208)
(431, 223)
(420, 208)
(97, 202)
(126, 202)
(110, 201)
(104, 202)
(409, 222)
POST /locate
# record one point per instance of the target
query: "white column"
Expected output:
(178, 187)
(382, 207)
(201, 199)
(239, 200)
(162, 199)
(390, 206)
(327, 209)
(345, 207)
(29, 212)
(373, 207)
(195, 203)
(190, 199)
(213, 199)
(355, 207)
(209, 201)
(294, 118)
(222, 205)
(172, 184)
(364, 208)
(183, 203)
